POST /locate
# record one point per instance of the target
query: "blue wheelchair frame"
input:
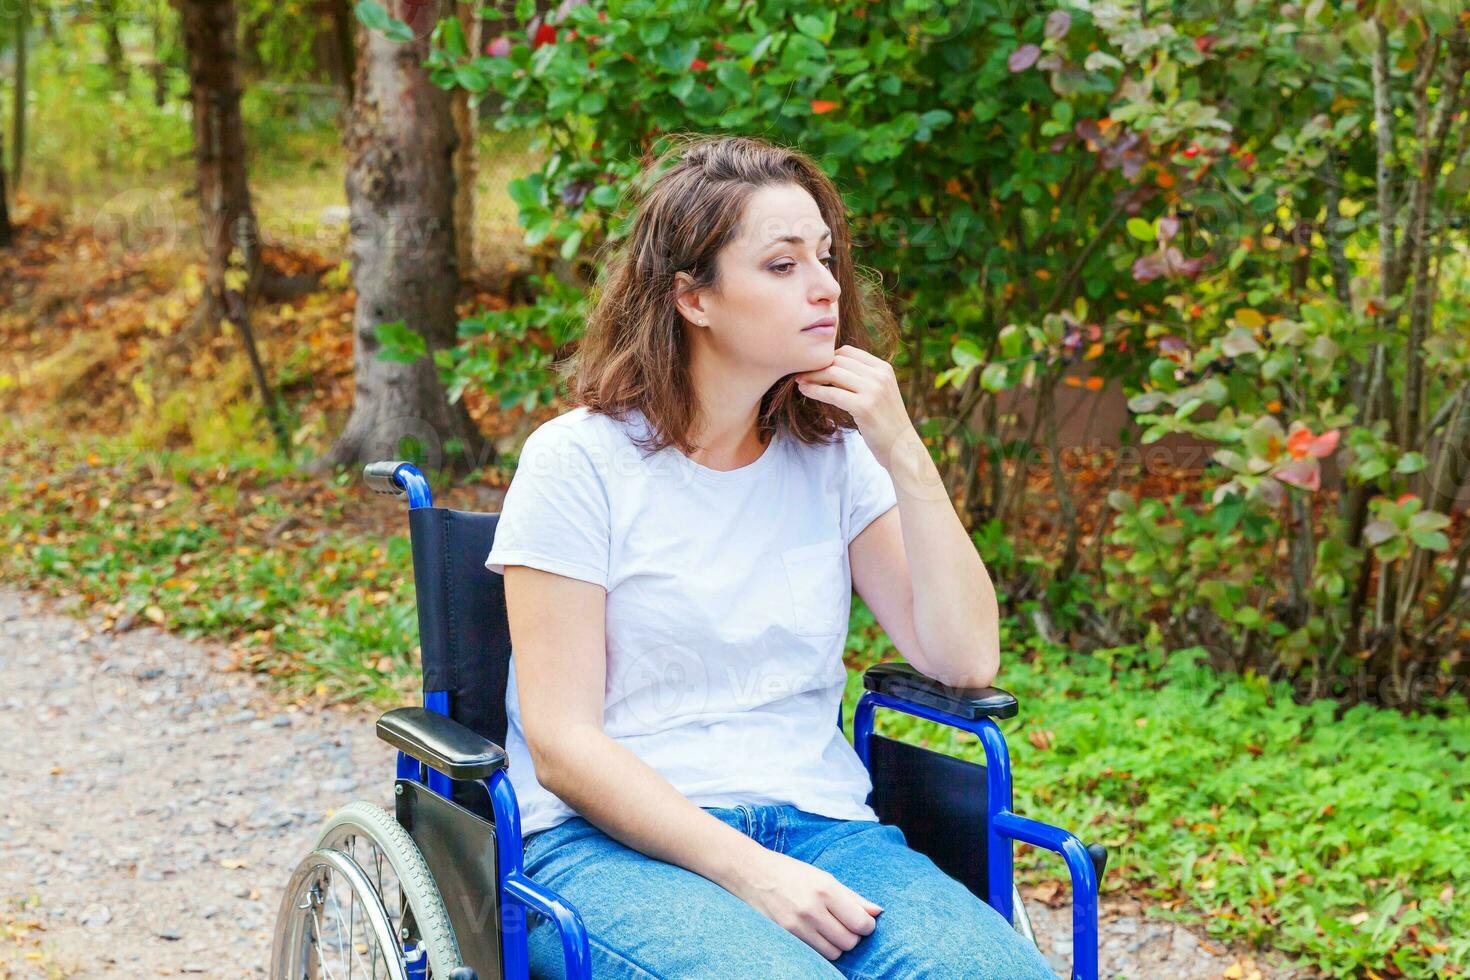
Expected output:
(421, 734)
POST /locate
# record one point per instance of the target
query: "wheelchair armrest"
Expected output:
(902, 681)
(1085, 865)
(441, 743)
(575, 949)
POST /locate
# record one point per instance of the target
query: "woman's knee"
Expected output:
(979, 945)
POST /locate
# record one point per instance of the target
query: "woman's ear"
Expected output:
(687, 300)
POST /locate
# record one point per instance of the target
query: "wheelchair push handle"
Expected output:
(395, 477)
(379, 476)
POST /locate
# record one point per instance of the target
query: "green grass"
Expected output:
(1335, 841)
(1221, 800)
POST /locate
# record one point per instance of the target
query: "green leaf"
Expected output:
(1141, 229)
(1410, 462)
(1011, 338)
(570, 246)
(676, 56)
(376, 18)
(654, 32)
(993, 378)
(966, 353)
(399, 343)
(538, 229)
(469, 76)
(451, 36)
(1430, 540)
(1248, 616)
(812, 26)
(604, 196)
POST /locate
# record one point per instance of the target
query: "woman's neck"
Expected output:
(724, 430)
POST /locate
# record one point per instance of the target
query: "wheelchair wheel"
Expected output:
(1019, 917)
(363, 903)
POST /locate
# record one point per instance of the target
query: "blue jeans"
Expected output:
(648, 918)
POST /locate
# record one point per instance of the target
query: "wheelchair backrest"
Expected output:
(463, 627)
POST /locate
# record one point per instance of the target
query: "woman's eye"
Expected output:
(786, 267)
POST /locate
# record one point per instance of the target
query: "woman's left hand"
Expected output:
(865, 386)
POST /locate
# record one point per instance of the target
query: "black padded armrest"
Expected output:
(971, 703)
(441, 742)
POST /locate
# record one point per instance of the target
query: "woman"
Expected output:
(679, 552)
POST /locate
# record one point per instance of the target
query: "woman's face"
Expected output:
(775, 279)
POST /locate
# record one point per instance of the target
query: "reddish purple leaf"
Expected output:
(1058, 22)
(1303, 473)
(1148, 267)
(1023, 57)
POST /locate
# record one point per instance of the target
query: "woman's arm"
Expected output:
(915, 566)
(558, 632)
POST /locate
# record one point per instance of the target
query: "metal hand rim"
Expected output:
(288, 942)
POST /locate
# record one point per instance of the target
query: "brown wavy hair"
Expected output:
(688, 205)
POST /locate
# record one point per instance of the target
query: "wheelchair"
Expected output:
(436, 889)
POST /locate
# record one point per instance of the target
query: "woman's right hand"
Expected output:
(807, 902)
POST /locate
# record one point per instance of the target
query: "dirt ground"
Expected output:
(161, 804)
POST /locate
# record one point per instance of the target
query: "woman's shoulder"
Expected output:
(594, 436)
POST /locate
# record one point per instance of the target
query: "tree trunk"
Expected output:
(155, 17)
(6, 234)
(227, 217)
(117, 61)
(342, 21)
(18, 107)
(400, 192)
(465, 157)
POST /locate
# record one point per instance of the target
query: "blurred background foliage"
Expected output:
(1245, 222)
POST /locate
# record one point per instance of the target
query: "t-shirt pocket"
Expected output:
(820, 600)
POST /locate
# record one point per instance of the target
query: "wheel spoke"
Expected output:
(321, 961)
(374, 875)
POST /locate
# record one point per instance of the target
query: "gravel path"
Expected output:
(162, 803)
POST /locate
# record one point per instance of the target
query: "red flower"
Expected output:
(698, 64)
(1192, 151)
(820, 106)
(545, 34)
(1302, 443)
(1204, 43)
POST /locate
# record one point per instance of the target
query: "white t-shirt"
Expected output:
(728, 597)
